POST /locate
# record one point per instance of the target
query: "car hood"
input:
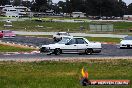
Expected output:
(126, 42)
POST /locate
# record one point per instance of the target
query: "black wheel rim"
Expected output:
(88, 51)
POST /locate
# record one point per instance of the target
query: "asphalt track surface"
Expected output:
(108, 50)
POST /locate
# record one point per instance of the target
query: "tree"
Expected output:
(122, 8)
(17, 2)
(129, 9)
(62, 6)
(100, 7)
(26, 3)
(40, 5)
(4, 2)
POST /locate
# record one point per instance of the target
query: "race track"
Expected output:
(108, 50)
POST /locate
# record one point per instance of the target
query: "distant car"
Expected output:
(58, 36)
(72, 45)
(7, 34)
(1, 34)
(126, 42)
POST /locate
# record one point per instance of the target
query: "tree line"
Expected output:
(90, 7)
(100, 7)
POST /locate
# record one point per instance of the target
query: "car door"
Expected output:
(70, 47)
(81, 45)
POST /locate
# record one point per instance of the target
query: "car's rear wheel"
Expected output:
(88, 51)
(57, 51)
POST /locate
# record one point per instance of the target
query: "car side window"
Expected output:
(64, 34)
(81, 41)
(72, 41)
(58, 34)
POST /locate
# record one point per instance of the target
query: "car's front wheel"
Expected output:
(57, 51)
(88, 51)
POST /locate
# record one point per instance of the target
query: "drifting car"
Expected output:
(58, 36)
(7, 34)
(72, 45)
(126, 42)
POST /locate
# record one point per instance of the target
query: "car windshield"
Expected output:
(64, 34)
(128, 38)
(64, 40)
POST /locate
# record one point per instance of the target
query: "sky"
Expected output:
(128, 1)
(55, 1)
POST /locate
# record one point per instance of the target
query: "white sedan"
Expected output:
(58, 36)
(126, 42)
(72, 45)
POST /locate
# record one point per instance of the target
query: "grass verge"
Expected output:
(104, 39)
(31, 25)
(62, 74)
(7, 48)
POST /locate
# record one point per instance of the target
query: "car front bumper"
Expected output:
(46, 50)
(125, 45)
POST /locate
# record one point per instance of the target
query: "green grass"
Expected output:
(6, 48)
(28, 25)
(62, 74)
(47, 26)
(104, 39)
(123, 25)
(60, 18)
